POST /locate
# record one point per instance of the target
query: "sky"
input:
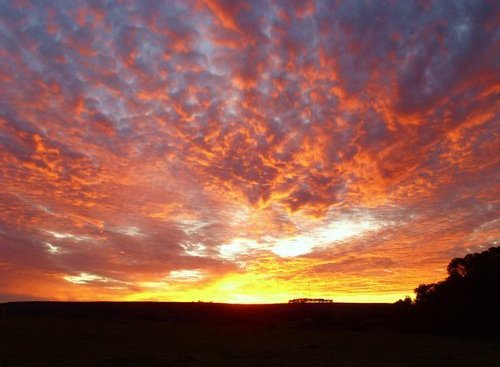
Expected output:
(245, 151)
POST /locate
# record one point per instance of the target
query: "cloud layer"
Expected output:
(239, 150)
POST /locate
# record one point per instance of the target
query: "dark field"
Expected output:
(224, 335)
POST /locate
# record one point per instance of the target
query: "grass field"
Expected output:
(66, 342)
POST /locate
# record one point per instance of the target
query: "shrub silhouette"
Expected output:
(468, 300)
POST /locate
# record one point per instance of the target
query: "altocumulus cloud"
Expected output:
(210, 149)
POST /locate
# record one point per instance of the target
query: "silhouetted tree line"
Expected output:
(466, 302)
(310, 300)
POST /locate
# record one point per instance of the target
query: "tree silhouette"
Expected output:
(468, 300)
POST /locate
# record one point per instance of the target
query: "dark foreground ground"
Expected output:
(223, 335)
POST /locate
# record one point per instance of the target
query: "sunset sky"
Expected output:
(245, 151)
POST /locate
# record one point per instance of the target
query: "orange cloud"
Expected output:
(239, 151)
